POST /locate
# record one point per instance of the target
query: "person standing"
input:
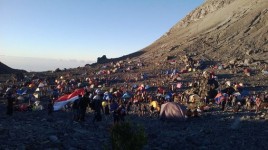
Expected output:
(50, 107)
(223, 103)
(83, 106)
(258, 103)
(97, 107)
(10, 100)
(113, 108)
(75, 108)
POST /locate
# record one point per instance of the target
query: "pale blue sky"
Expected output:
(83, 30)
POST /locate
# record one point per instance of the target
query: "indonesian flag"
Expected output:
(68, 98)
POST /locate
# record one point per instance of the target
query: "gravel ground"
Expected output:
(211, 130)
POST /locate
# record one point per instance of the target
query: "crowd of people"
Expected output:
(105, 95)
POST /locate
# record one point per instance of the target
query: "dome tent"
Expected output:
(172, 111)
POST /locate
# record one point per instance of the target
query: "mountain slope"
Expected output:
(4, 69)
(218, 30)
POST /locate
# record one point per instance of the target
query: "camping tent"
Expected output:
(172, 111)
(154, 104)
(194, 98)
(127, 95)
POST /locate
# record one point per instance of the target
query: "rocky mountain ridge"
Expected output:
(221, 30)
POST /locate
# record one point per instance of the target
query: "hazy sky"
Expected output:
(49, 34)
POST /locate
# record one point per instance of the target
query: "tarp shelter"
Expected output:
(172, 111)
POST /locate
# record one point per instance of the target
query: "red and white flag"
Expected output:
(68, 98)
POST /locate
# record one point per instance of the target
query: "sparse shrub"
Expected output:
(127, 136)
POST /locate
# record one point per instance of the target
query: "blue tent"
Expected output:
(127, 95)
(22, 91)
(168, 96)
(135, 86)
(107, 96)
(168, 72)
(147, 87)
(175, 71)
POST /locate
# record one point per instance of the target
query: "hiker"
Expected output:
(248, 103)
(223, 103)
(10, 99)
(247, 71)
(83, 106)
(105, 105)
(195, 113)
(189, 113)
(122, 112)
(50, 107)
(55, 93)
(129, 104)
(75, 108)
(97, 107)
(1, 90)
(152, 110)
(229, 101)
(258, 103)
(113, 108)
(142, 109)
(234, 100)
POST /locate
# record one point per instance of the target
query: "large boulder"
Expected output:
(102, 59)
